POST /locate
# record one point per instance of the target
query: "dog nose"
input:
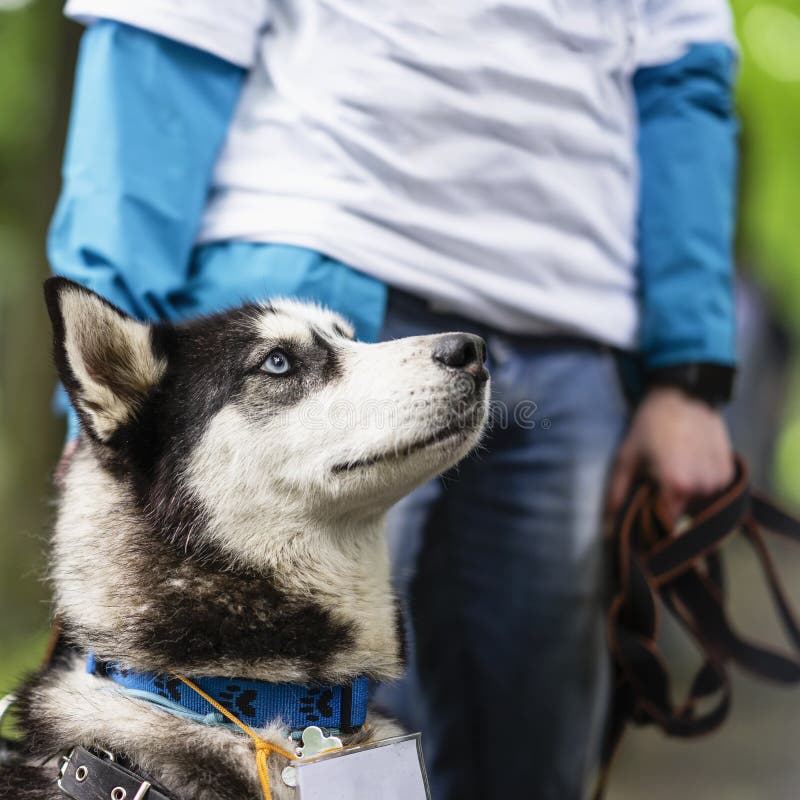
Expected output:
(460, 350)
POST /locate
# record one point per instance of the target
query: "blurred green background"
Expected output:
(37, 52)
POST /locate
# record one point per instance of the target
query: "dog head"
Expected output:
(264, 415)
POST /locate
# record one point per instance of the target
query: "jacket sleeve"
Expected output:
(688, 163)
(149, 116)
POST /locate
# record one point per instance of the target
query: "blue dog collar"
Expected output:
(341, 709)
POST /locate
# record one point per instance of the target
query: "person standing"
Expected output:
(556, 176)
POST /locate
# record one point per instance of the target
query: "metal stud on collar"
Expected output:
(81, 774)
(143, 790)
(118, 793)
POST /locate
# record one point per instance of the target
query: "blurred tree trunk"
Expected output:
(37, 55)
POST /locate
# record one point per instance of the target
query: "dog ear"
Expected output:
(104, 358)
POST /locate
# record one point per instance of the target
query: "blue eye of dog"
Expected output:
(277, 363)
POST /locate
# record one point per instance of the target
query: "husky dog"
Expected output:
(223, 516)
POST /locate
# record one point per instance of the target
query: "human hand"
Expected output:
(678, 441)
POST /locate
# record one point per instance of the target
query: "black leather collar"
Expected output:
(86, 776)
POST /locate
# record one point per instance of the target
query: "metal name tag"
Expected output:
(391, 769)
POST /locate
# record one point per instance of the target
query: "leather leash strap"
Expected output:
(656, 566)
(86, 776)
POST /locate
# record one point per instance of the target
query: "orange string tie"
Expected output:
(263, 748)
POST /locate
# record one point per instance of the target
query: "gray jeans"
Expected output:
(500, 565)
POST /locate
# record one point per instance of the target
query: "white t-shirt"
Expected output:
(478, 153)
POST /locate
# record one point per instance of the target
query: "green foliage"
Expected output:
(769, 103)
(19, 658)
(769, 235)
(36, 57)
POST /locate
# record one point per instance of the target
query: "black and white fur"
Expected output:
(217, 519)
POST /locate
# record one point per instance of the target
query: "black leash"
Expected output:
(86, 775)
(658, 568)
